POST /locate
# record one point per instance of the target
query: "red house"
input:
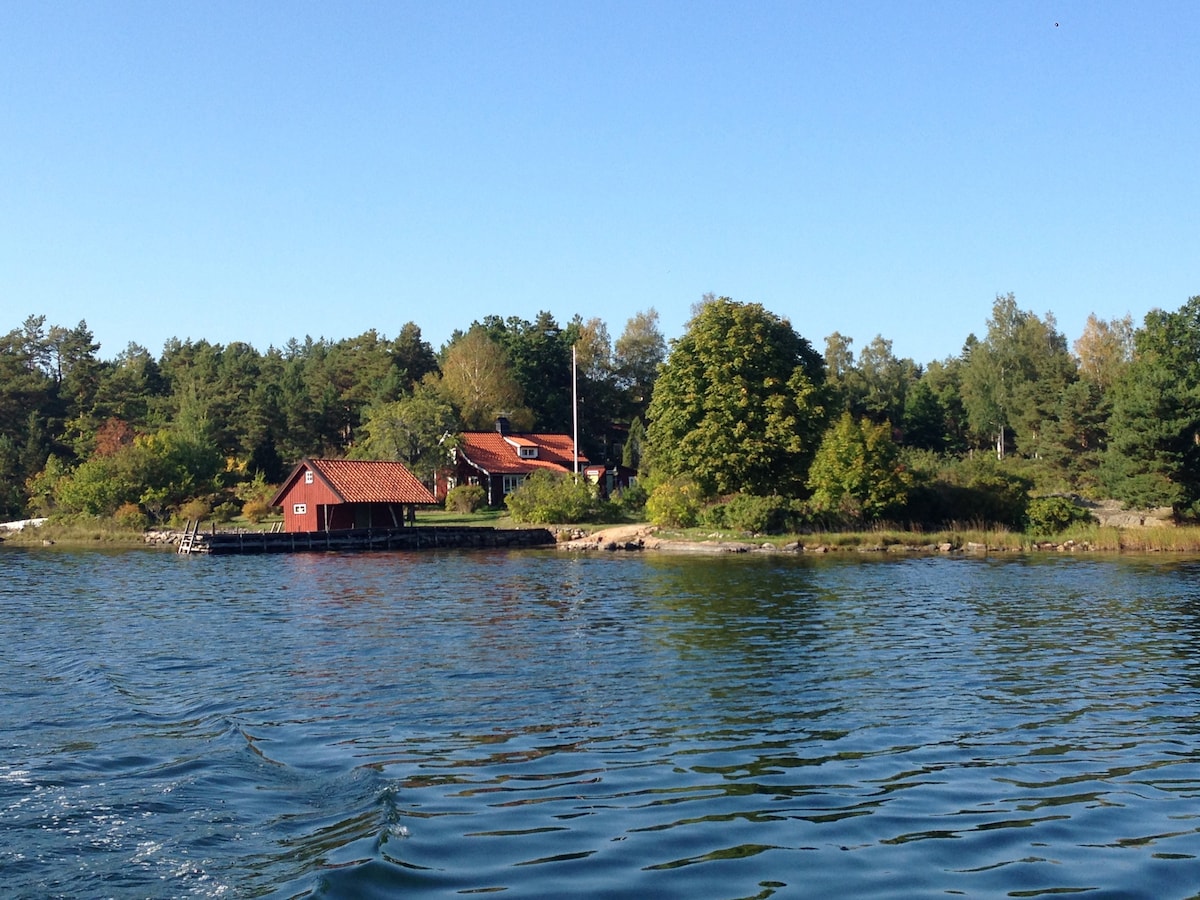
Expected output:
(610, 480)
(339, 494)
(500, 460)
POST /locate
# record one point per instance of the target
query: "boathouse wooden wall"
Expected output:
(322, 511)
(302, 502)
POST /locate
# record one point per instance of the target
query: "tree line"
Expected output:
(1008, 431)
(145, 435)
(740, 415)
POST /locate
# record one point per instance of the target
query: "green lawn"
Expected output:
(483, 518)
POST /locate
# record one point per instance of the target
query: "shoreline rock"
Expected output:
(639, 538)
(636, 538)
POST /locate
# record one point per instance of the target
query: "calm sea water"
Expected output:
(543, 725)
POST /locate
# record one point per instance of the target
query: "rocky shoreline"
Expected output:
(636, 538)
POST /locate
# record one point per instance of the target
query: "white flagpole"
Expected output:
(575, 412)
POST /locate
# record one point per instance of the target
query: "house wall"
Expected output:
(610, 480)
(493, 485)
(464, 473)
(309, 496)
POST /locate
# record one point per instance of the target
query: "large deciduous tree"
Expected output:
(478, 379)
(412, 430)
(875, 385)
(637, 354)
(738, 404)
(1104, 349)
(1011, 381)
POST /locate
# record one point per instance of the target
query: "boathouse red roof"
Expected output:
(361, 481)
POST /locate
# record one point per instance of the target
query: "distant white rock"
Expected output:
(20, 526)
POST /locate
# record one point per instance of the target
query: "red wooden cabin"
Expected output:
(340, 494)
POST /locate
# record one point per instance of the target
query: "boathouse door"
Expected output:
(362, 515)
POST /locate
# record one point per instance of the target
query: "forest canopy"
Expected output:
(740, 404)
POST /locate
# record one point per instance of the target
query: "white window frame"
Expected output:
(510, 483)
(308, 476)
(300, 509)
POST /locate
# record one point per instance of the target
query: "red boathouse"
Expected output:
(341, 494)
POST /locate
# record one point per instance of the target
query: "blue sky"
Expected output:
(258, 171)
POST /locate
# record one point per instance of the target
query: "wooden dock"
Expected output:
(193, 540)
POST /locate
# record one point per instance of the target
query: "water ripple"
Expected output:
(436, 725)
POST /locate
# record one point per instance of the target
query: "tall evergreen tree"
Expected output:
(1153, 455)
(539, 354)
(413, 356)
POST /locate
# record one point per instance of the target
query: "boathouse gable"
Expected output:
(342, 494)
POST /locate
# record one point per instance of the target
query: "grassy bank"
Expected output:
(97, 532)
(1084, 538)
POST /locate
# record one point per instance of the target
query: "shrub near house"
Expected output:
(466, 498)
(553, 498)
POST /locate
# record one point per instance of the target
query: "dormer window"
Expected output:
(526, 449)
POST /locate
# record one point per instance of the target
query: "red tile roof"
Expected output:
(488, 450)
(365, 481)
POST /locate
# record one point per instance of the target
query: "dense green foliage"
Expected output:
(414, 430)
(740, 425)
(752, 514)
(675, 502)
(973, 490)
(552, 497)
(856, 475)
(79, 434)
(465, 498)
(1053, 515)
(738, 405)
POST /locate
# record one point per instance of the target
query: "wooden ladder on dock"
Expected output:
(188, 540)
